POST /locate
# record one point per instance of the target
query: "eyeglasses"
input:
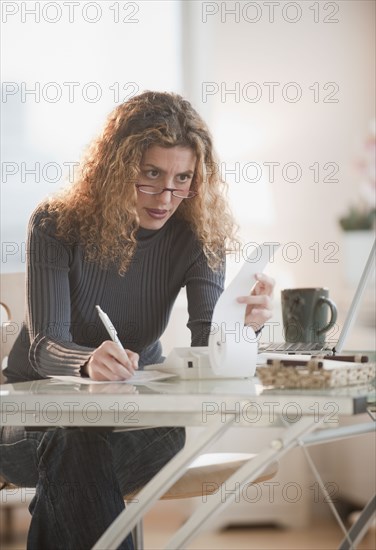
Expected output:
(179, 193)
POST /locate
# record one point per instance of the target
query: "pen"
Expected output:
(109, 326)
(292, 363)
(351, 358)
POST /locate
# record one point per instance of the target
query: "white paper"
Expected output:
(232, 346)
(139, 378)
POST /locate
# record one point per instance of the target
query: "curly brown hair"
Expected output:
(99, 209)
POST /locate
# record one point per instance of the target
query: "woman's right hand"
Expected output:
(109, 362)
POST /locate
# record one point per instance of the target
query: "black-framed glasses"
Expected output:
(179, 193)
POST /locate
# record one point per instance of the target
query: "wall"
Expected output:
(306, 124)
(290, 83)
(64, 70)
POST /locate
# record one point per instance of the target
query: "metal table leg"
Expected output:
(359, 529)
(160, 483)
(244, 475)
(138, 535)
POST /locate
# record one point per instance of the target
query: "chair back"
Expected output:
(12, 302)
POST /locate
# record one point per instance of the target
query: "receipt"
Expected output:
(233, 346)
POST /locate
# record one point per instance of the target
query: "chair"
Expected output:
(12, 302)
(203, 477)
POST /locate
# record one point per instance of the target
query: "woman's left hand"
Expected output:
(260, 302)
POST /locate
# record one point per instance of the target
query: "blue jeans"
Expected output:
(81, 475)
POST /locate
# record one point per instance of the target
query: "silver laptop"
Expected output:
(314, 348)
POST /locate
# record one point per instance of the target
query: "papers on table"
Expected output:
(139, 378)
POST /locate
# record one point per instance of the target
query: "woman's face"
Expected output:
(162, 167)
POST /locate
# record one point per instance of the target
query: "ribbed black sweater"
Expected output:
(62, 327)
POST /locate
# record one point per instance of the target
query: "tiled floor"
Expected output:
(159, 526)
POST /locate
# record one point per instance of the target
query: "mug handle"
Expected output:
(333, 313)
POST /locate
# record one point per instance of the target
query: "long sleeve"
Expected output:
(52, 350)
(204, 286)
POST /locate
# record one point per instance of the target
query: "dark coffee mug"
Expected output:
(305, 314)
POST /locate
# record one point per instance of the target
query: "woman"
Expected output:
(145, 217)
